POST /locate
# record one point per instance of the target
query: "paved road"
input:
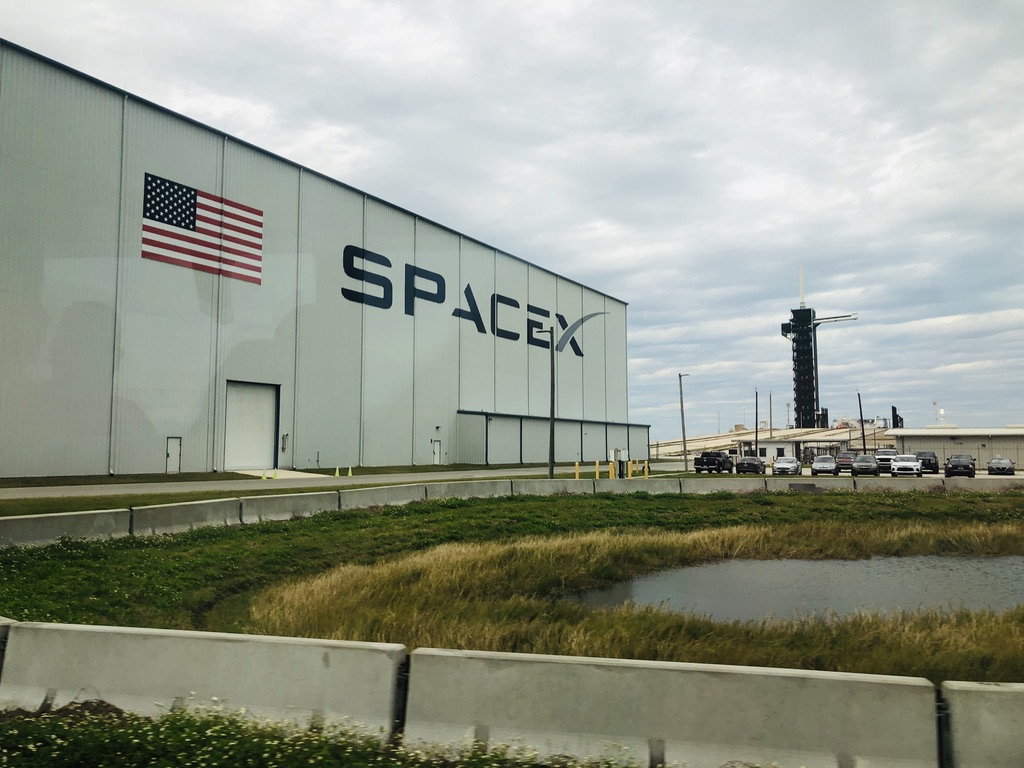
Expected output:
(286, 479)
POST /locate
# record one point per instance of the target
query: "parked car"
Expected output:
(960, 464)
(929, 461)
(713, 461)
(824, 465)
(750, 465)
(905, 464)
(844, 460)
(1000, 466)
(884, 456)
(865, 465)
(787, 465)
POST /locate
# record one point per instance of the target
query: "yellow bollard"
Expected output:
(647, 469)
(597, 470)
(611, 470)
(577, 470)
(629, 469)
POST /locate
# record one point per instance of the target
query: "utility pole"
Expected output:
(682, 418)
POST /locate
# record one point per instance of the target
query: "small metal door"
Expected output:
(173, 465)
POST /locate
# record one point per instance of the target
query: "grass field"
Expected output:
(491, 574)
(505, 596)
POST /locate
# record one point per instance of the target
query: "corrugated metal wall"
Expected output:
(374, 325)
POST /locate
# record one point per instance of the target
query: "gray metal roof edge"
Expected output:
(956, 432)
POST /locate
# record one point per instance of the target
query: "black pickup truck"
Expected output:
(713, 461)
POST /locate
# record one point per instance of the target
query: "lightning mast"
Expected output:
(802, 331)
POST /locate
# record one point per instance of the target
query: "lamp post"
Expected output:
(551, 421)
(682, 418)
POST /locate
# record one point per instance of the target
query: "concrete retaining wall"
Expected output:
(669, 485)
(186, 516)
(39, 530)
(150, 671)
(989, 484)
(884, 483)
(554, 487)
(986, 724)
(700, 715)
(470, 489)
(381, 496)
(287, 506)
(807, 484)
(719, 483)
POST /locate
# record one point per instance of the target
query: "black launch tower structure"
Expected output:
(802, 330)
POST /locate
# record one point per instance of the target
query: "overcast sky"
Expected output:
(684, 157)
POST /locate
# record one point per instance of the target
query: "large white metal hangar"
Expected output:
(175, 299)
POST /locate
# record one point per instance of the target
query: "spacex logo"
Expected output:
(504, 318)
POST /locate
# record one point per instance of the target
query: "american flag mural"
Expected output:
(190, 228)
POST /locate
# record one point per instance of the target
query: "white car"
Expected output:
(787, 465)
(905, 464)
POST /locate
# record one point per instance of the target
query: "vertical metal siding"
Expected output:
(257, 322)
(593, 341)
(329, 347)
(167, 315)
(511, 367)
(388, 345)
(543, 294)
(569, 367)
(58, 246)
(476, 349)
(436, 353)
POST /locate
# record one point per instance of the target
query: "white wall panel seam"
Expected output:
(362, 354)
(118, 286)
(296, 352)
(219, 436)
(412, 384)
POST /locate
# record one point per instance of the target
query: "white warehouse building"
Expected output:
(175, 299)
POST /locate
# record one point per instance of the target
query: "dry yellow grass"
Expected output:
(505, 596)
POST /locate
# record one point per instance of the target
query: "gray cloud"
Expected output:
(685, 157)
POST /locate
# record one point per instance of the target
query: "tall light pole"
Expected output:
(682, 418)
(551, 421)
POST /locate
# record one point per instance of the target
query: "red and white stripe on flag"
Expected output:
(190, 228)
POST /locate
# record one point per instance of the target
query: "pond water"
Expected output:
(755, 589)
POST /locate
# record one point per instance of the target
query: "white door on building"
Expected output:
(250, 434)
(436, 446)
(173, 465)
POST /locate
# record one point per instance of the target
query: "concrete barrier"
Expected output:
(881, 483)
(381, 496)
(150, 671)
(985, 485)
(289, 506)
(664, 485)
(699, 715)
(557, 486)
(185, 516)
(986, 724)
(808, 484)
(5, 626)
(470, 489)
(718, 483)
(39, 530)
